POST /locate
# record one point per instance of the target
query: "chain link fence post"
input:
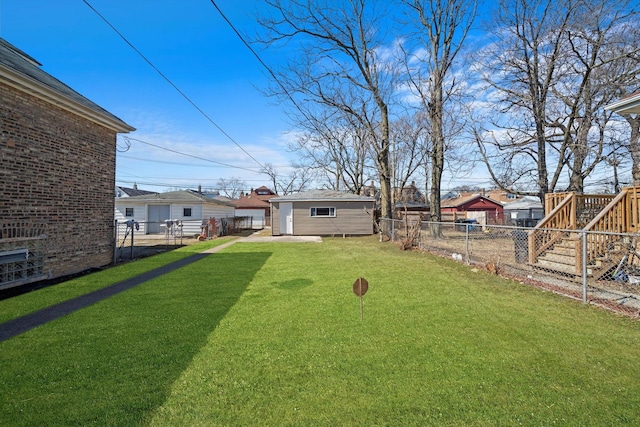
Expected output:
(466, 244)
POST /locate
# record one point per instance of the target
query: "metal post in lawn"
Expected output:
(115, 241)
(584, 267)
(132, 233)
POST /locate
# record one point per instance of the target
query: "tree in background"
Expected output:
(338, 65)
(335, 147)
(553, 67)
(296, 181)
(231, 187)
(443, 26)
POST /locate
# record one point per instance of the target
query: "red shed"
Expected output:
(477, 206)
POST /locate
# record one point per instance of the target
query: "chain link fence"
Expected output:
(597, 268)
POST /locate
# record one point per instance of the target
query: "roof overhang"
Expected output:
(628, 105)
(33, 87)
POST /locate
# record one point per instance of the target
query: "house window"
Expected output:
(511, 196)
(128, 212)
(323, 212)
(186, 212)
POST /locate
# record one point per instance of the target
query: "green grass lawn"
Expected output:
(27, 303)
(270, 334)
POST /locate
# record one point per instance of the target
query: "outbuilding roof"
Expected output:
(526, 202)
(179, 196)
(459, 201)
(322, 195)
(22, 72)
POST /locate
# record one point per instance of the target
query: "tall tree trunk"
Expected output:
(437, 157)
(634, 146)
(386, 210)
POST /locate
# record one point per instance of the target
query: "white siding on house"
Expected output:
(177, 211)
(139, 215)
(201, 210)
(218, 211)
(256, 214)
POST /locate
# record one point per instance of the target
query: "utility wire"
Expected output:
(172, 84)
(128, 138)
(266, 67)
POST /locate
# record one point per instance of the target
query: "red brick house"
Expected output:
(256, 204)
(482, 208)
(57, 168)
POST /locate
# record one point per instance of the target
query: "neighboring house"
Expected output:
(526, 211)
(627, 105)
(496, 195)
(209, 194)
(256, 205)
(131, 192)
(370, 190)
(476, 206)
(500, 196)
(153, 210)
(408, 193)
(322, 213)
(57, 168)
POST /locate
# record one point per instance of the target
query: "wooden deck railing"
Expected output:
(619, 216)
(602, 215)
(549, 231)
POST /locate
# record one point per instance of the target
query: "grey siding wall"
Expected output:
(275, 219)
(351, 219)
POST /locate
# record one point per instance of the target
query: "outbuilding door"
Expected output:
(157, 215)
(286, 218)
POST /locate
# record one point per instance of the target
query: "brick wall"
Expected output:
(57, 172)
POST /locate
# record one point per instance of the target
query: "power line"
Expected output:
(189, 100)
(266, 67)
(127, 138)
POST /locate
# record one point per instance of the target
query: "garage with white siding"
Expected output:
(153, 210)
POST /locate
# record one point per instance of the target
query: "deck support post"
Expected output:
(584, 267)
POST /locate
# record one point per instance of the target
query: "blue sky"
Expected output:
(192, 45)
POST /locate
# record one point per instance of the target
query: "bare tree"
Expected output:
(338, 66)
(444, 25)
(410, 148)
(336, 148)
(526, 51)
(296, 181)
(231, 187)
(601, 56)
(556, 65)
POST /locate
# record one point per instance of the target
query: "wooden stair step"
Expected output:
(556, 266)
(559, 257)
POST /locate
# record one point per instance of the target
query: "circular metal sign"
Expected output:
(360, 286)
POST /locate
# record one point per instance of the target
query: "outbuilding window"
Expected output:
(128, 212)
(323, 212)
(186, 212)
